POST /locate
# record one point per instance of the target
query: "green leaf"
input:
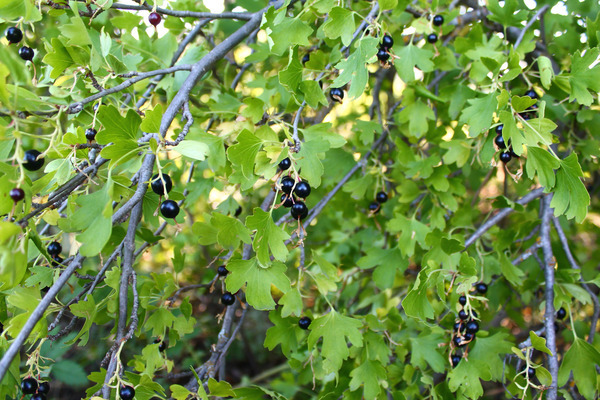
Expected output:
(258, 281)
(268, 237)
(546, 71)
(543, 163)
(416, 115)
(412, 56)
(334, 328)
(309, 160)
(179, 392)
(289, 32)
(570, 195)
(511, 272)
(117, 128)
(584, 79)
(292, 303)
(478, 115)
(58, 58)
(244, 152)
(539, 343)
(220, 389)
(368, 373)
(219, 228)
(416, 304)
(313, 94)
(425, 350)
(581, 359)
(291, 76)
(508, 15)
(192, 149)
(152, 119)
(340, 23)
(282, 333)
(354, 68)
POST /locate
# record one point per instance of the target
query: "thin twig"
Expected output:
(537, 15)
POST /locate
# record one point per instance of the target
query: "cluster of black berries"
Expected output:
(14, 35)
(375, 206)
(292, 191)
(168, 208)
(227, 298)
(54, 249)
(507, 152)
(39, 390)
(437, 20)
(383, 54)
(465, 326)
(162, 344)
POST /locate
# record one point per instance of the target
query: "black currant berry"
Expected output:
(227, 299)
(462, 300)
(505, 157)
(299, 210)
(305, 58)
(288, 200)
(38, 396)
(387, 42)
(127, 392)
(561, 313)
(462, 314)
(169, 209)
(154, 18)
(31, 161)
(432, 38)
(481, 287)
(499, 129)
(14, 35)
(455, 359)
(285, 164)
(383, 55)
(458, 326)
(90, 134)
(336, 94)
(222, 270)
(302, 189)
(468, 336)
(531, 93)
(29, 386)
(304, 322)
(238, 211)
(458, 342)
(54, 248)
(44, 387)
(381, 197)
(530, 372)
(26, 53)
(57, 260)
(438, 20)
(499, 140)
(287, 184)
(157, 184)
(162, 345)
(472, 326)
(374, 207)
(17, 194)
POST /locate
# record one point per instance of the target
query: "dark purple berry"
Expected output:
(14, 35)
(162, 345)
(57, 260)
(304, 322)
(530, 372)
(305, 58)
(336, 94)
(154, 18)
(17, 194)
(432, 38)
(26, 53)
(561, 313)
(499, 140)
(381, 197)
(38, 396)
(299, 210)
(374, 207)
(387, 42)
(288, 200)
(90, 134)
(287, 184)
(157, 184)
(472, 326)
(383, 55)
(462, 300)
(481, 287)
(438, 20)
(227, 299)
(455, 359)
(127, 392)
(54, 248)
(285, 164)
(29, 386)
(44, 387)
(31, 161)
(468, 336)
(531, 93)
(302, 189)
(499, 129)
(222, 270)
(458, 342)
(462, 314)
(169, 209)
(238, 211)
(505, 157)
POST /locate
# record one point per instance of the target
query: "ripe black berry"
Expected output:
(90, 134)
(432, 38)
(29, 386)
(31, 161)
(38, 396)
(299, 210)
(288, 200)
(462, 300)
(499, 140)
(383, 55)
(127, 392)
(455, 359)
(154, 18)
(222, 270)
(381, 197)
(169, 209)
(302, 189)
(499, 129)
(467, 337)
(162, 345)
(336, 94)
(458, 325)
(531, 93)
(505, 157)
(14, 34)
(54, 248)
(57, 260)
(374, 207)
(304, 323)
(530, 372)
(458, 342)
(387, 42)
(438, 20)
(227, 299)
(305, 58)
(44, 387)
(26, 53)
(17, 194)
(481, 287)
(157, 184)
(285, 164)
(287, 184)
(472, 326)
(462, 314)
(238, 211)
(561, 313)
